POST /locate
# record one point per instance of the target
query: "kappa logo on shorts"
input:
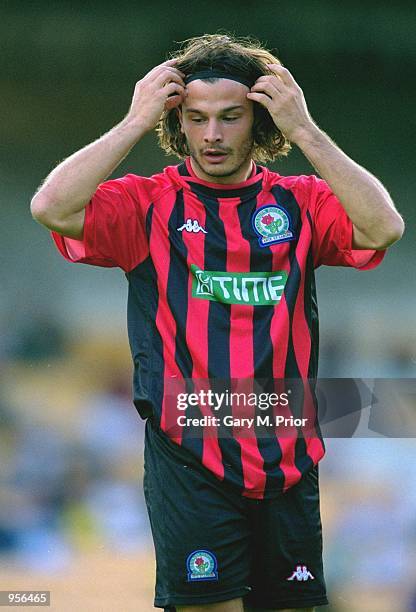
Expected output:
(272, 224)
(301, 573)
(201, 565)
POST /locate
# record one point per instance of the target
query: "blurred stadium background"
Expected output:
(72, 516)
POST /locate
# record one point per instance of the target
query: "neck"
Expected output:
(239, 176)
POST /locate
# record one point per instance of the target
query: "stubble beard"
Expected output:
(244, 155)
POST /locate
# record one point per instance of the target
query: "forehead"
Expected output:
(213, 97)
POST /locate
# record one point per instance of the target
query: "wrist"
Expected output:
(133, 127)
(305, 135)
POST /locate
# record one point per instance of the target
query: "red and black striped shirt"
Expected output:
(221, 286)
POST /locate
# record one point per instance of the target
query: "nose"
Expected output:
(212, 132)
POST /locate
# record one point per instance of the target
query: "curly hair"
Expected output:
(240, 56)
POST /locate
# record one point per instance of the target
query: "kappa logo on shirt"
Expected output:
(301, 573)
(191, 225)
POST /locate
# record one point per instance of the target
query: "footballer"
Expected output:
(219, 253)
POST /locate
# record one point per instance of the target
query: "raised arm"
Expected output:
(60, 201)
(376, 222)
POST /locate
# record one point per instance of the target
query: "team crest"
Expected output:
(272, 225)
(202, 565)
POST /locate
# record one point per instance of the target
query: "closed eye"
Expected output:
(227, 118)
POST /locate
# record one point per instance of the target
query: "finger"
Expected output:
(260, 98)
(168, 65)
(170, 75)
(276, 80)
(266, 87)
(170, 62)
(166, 71)
(173, 101)
(174, 70)
(176, 96)
(166, 77)
(283, 73)
(174, 88)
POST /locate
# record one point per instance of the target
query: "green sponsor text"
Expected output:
(249, 288)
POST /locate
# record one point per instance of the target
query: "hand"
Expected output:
(284, 100)
(161, 89)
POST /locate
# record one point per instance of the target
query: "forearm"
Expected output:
(376, 223)
(70, 186)
(59, 203)
(367, 203)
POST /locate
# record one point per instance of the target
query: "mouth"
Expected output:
(215, 156)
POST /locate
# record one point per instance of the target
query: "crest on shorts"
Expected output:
(272, 224)
(201, 565)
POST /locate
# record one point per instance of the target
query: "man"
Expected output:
(219, 253)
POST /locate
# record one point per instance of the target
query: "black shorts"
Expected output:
(212, 544)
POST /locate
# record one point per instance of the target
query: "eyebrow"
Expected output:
(223, 110)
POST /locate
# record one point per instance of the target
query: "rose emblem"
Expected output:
(267, 219)
(201, 564)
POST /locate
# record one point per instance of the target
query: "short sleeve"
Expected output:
(333, 232)
(114, 227)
